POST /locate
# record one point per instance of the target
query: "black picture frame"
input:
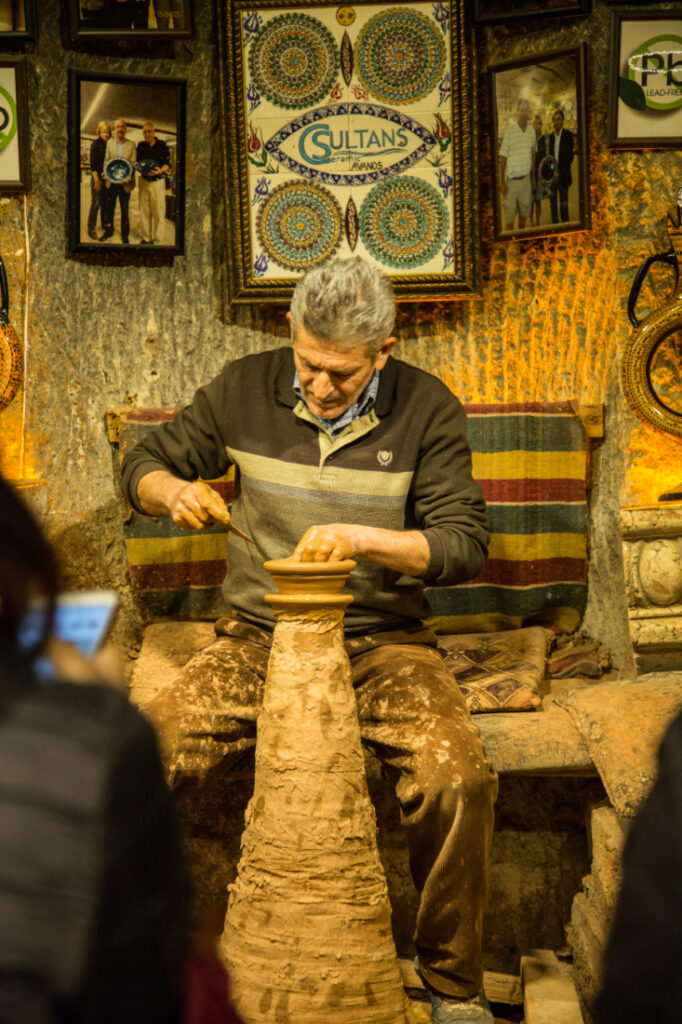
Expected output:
(497, 12)
(96, 98)
(252, 155)
(18, 22)
(643, 112)
(91, 24)
(15, 164)
(547, 82)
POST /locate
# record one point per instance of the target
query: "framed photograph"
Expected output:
(117, 19)
(15, 168)
(17, 20)
(498, 11)
(126, 163)
(349, 130)
(539, 145)
(645, 82)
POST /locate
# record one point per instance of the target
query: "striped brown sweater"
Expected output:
(404, 465)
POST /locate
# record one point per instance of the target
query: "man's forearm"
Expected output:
(405, 551)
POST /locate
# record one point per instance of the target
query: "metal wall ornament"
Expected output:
(539, 144)
(11, 349)
(652, 363)
(348, 131)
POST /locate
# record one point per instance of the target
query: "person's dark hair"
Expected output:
(28, 568)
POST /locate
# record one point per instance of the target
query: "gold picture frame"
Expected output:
(331, 149)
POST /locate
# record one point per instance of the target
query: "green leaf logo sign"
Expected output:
(8, 118)
(654, 75)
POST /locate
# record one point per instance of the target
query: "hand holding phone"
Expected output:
(82, 619)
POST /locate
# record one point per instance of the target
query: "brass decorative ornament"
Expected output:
(652, 363)
(11, 352)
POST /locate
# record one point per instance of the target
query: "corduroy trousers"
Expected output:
(414, 718)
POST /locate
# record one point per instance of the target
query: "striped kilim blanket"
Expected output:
(172, 571)
(532, 461)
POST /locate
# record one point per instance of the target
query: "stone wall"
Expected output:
(102, 331)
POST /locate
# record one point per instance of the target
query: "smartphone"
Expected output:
(82, 618)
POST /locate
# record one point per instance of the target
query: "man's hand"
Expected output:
(192, 506)
(331, 543)
(197, 506)
(405, 551)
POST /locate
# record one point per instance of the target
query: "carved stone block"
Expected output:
(652, 560)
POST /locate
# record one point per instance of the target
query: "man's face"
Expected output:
(524, 113)
(148, 133)
(558, 121)
(120, 128)
(334, 376)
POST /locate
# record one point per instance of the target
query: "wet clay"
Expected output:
(307, 935)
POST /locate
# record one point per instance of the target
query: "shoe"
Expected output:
(449, 1010)
(107, 234)
(125, 241)
(146, 241)
(92, 234)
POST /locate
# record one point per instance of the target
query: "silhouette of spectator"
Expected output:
(93, 888)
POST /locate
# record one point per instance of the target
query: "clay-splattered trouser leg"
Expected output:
(207, 714)
(413, 716)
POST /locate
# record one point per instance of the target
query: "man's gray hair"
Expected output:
(347, 302)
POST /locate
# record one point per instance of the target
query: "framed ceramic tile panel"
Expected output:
(15, 168)
(130, 19)
(126, 163)
(17, 20)
(348, 130)
(645, 85)
(540, 145)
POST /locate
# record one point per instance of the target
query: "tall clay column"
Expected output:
(307, 935)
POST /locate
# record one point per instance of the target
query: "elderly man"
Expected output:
(517, 167)
(152, 192)
(118, 147)
(342, 450)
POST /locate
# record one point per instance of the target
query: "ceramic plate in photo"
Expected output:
(118, 170)
(145, 167)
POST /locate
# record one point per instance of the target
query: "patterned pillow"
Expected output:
(498, 671)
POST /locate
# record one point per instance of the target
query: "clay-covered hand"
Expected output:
(197, 507)
(330, 543)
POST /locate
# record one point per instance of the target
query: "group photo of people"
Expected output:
(537, 146)
(128, 164)
(161, 15)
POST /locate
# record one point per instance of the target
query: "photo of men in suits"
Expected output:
(560, 146)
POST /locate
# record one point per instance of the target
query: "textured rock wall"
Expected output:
(550, 323)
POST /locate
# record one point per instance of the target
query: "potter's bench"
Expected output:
(534, 464)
